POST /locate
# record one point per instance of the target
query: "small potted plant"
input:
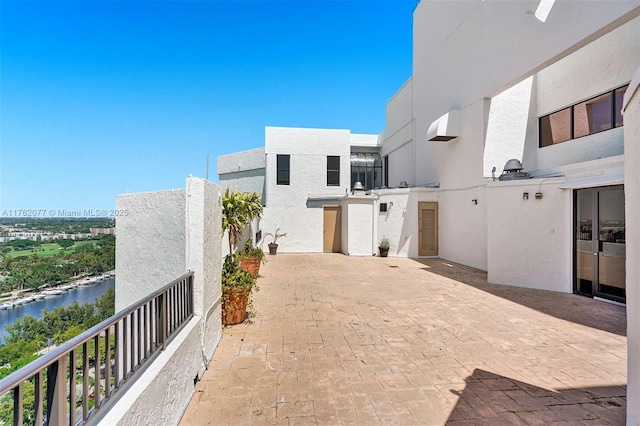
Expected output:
(384, 247)
(250, 257)
(273, 246)
(236, 291)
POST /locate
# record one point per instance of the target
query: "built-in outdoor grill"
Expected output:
(513, 171)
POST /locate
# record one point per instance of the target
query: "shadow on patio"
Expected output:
(570, 307)
(487, 395)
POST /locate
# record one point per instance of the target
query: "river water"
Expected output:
(82, 295)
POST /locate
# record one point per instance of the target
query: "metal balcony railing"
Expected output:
(76, 382)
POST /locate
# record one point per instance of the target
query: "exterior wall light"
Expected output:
(474, 201)
(538, 195)
(525, 195)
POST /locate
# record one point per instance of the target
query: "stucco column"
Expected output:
(203, 256)
(631, 111)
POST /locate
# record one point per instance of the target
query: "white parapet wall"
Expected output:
(632, 213)
(151, 234)
(164, 235)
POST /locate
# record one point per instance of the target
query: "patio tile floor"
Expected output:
(354, 340)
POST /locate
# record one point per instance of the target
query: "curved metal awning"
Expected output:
(365, 159)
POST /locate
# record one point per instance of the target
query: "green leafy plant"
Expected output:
(384, 243)
(234, 280)
(249, 251)
(238, 210)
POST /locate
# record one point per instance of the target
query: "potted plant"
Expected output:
(273, 246)
(250, 257)
(238, 210)
(384, 247)
(236, 289)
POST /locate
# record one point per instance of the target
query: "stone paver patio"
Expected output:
(349, 340)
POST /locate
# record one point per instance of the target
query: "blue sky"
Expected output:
(99, 98)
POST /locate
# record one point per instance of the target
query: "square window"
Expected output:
(592, 116)
(555, 128)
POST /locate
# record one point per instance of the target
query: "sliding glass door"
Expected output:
(600, 242)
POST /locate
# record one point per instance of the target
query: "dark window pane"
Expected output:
(592, 116)
(282, 175)
(333, 162)
(333, 178)
(333, 170)
(619, 96)
(555, 128)
(283, 162)
(386, 171)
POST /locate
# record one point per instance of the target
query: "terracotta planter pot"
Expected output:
(252, 265)
(234, 307)
(383, 251)
(273, 249)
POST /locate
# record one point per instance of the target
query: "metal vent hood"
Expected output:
(445, 128)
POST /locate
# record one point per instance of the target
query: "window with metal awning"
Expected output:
(366, 168)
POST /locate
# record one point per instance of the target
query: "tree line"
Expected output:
(33, 271)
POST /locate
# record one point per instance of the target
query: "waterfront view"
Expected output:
(81, 295)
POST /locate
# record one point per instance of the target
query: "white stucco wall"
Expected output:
(400, 223)
(244, 170)
(163, 390)
(401, 162)
(359, 140)
(459, 161)
(358, 215)
(600, 66)
(479, 47)
(308, 150)
(463, 226)
(632, 213)
(304, 228)
(391, 224)
(529, 241)
(241, 161)
(289, 206)
(512, 121)
(399, 109)
(153, 234)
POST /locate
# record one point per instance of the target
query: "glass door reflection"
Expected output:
(611, 244)
(600, 249)
(585, 247)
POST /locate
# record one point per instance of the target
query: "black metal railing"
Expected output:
(73, 382)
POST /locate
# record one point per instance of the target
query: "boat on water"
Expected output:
(38, 296)
(52, 292)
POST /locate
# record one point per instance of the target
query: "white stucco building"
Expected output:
(543, 82)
